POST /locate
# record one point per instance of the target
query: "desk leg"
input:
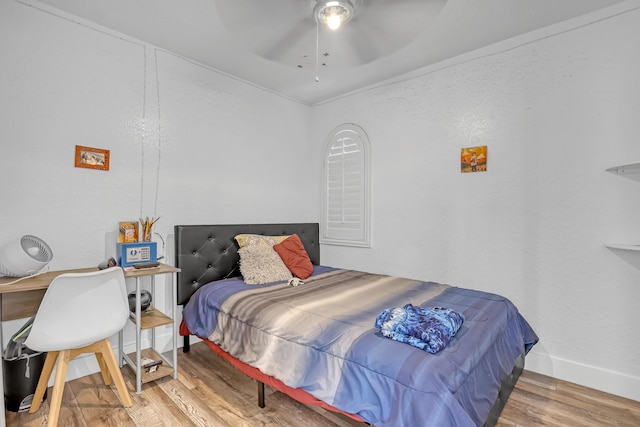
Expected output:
(2, 416)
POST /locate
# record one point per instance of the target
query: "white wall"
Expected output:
(555, 108)
(187, 143)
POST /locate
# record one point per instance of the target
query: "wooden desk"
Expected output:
(21, 300)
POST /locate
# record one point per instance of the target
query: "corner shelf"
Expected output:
(631, 171)
(623, 246)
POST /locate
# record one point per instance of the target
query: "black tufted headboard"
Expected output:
(205, 253)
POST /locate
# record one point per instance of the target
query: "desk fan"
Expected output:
(24, 257)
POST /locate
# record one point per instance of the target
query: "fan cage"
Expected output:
(24, 257)
(44, 252)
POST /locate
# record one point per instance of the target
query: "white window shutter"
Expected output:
(346, 188)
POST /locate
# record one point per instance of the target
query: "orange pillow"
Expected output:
(294, 256)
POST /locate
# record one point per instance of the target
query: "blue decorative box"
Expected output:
(135, 253)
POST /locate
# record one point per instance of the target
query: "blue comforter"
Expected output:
(325, 328)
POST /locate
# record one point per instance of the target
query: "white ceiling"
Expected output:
(272, 43)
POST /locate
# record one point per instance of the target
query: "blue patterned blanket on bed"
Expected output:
(428, 329)
(319, 337)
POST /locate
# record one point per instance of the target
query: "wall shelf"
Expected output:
(623, 246)
(631, 171)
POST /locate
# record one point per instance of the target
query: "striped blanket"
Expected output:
(320, 337)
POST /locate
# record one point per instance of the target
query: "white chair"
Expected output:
(78, 314)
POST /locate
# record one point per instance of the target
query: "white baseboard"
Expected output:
(605, 380)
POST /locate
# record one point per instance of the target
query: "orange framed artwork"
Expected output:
(92, 158)
(473, 159)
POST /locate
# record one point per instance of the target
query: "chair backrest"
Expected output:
(79, 309)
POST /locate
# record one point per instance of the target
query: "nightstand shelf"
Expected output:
(162, 370)
(150, 320)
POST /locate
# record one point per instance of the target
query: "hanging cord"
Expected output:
(317, 50)
(163, 246)
(155, 206)
(144, 129)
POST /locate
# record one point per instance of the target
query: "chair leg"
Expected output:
(104, 370)
(109, 359)
(108, 366)
(43, 382)
(58, 387)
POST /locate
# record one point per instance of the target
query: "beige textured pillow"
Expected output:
(258, 240)
(261, 264)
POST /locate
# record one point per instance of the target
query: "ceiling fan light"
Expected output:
(334, 21)
(333, 13)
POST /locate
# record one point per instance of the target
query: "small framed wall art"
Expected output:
(473, 159)
(92, 158)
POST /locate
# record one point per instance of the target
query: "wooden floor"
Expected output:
(210, 392)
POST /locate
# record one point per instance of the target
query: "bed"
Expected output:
(317, 342)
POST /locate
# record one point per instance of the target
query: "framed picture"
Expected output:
(473, 159)
(92, 158)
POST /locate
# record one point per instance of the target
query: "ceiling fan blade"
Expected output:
(296, 42)
(356, 45)
(245, 14)
(269, 28)
(401, 8)
(381, 27)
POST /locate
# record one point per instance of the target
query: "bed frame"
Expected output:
(206, 253)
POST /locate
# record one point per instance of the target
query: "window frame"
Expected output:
(360, 236)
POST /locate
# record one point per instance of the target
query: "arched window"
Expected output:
(345, 209)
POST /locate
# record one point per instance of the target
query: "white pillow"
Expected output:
(262, 264)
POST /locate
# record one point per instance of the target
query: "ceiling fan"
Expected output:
(295, 32)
